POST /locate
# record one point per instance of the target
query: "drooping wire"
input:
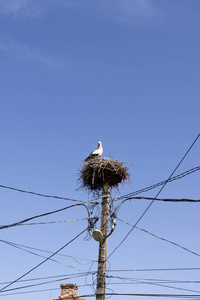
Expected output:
(134, 280)
(53, 222)
(60, 254)
(155, 196)
(165, 199)
(43, 215)
(73, 275)
(187, 296)
(94, 211)
(48, 258)
(131, 195)
(28, 292)
(31, 252)
(161, 238)
(86, 278)
(157, 269)
(41, 195)
(43, 283)
(163, 285)
(172, 296)
(121, 270)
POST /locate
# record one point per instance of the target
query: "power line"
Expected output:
(46, 251)
(43, 215)
(73, 275)
(131, 195)
(156, 269)
(162, 285)
(82, 274)
(55, 222)
(174, 296)
(183, 296)
(42, 283)
(167, 199)
(133, 281)
(31, 252)
(39, 194)
(146, 189)
(122, 197)
(173, 243)
(155, 196)
(160, 238)
(137, 280)
(48, 258)
(28, 292)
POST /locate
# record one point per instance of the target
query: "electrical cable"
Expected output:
(42, 283)
(38, 265)
(45, 214)
(137, 280)
(167, 199)
(164, 285)
(60, 254)
(39, 194)
(131, 195)
(155, 196)
(123, 278)
(29, 292)
(156, 269)
(48, 258)
(73, 275)
(174, 296)
(183, 296)
(53, 222)
(146, 189)
(160, 238)
(110, 296)
(31, 252)
(86, 278)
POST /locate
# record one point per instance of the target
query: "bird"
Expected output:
(96, 153)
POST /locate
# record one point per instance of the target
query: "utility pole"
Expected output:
(102, 174)
(101, 275)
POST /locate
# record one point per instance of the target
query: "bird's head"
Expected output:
(99, 144)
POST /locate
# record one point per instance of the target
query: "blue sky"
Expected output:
(125, 72)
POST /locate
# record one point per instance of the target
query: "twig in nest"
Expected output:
(99, 171)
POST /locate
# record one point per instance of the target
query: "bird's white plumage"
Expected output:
(96, 153)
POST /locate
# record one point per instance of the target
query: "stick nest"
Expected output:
(99, 171)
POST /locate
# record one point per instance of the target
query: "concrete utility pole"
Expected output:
(101, 275)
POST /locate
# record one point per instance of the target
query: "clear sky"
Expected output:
(73, 72)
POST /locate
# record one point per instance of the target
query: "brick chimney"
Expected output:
(68, 292)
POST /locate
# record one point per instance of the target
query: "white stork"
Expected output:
(96, 153)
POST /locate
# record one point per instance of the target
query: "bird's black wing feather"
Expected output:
(91, 156)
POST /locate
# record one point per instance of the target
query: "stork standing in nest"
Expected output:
(96, 153)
